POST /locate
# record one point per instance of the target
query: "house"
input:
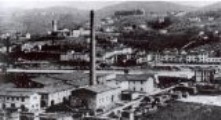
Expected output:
(107, 21)
(140, 83)
(204, 75)
(80, 32)
(112, 56)
(144, 83)
(194, 19)
(96, 97)
(26, 101)
(109, 29)
(52, 91)
(74, 56)
(49, 95)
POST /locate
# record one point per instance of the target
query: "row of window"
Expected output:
(141, 89)
(14, 98)
(141, 82)
(108, 98)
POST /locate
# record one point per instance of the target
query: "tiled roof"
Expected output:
(77, 79)
(99, 88)
(45, 80)
(48, 89)
(134, 77)
(16, 93)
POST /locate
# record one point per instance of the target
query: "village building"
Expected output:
(50, 95)
(96, 97)
(205, 75)
(145, 83)
(80, 32)
(113, 56)
(25, 101)
(74, 56)
(203, 57)
(133, 85)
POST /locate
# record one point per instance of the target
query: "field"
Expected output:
(186, 111)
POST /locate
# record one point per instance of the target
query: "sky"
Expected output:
(88, 4)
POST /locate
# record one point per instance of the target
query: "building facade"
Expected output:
(96, 97)
(26, 101)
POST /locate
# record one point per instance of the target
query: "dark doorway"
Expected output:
(23, 108)
(43, 104)
(52, 103)
(3, 106)
(65, 101)
(85, 103)
(12, 105)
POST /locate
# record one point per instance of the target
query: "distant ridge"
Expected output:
(213, 7)
(149, 6)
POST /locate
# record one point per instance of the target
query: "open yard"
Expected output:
(186, 111)
(204, 99)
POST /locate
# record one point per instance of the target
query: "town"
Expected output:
(112, 68)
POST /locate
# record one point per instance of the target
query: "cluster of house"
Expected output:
(124, 13)
(116, 55)
(80, 32)
(75, 56)
(198, 19)
(187, 57)
(48, 90)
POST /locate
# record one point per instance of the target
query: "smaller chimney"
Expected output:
(54, 25)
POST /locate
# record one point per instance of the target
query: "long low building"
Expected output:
(50, 95)
(144, 83)
(191, 57)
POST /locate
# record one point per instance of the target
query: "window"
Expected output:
(134, 89)
(141, 89)
(112, 98)
(141, 82)
(17, 98)
(13, 105)
(22, 99)
(3, 106)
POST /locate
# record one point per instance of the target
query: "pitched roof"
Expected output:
(45, 80)
(99, 88)
(16, 93)
(77, 79)
(45, 90)
(134, 77)
(55, 88)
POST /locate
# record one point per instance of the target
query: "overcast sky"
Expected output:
(88, 4)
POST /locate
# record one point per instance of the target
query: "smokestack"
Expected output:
(93, 80)
(54, 25)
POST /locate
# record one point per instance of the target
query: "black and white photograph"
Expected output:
(110, 59)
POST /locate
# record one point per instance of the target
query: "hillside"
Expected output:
(213, 7)
(39, 20)
(148, 7)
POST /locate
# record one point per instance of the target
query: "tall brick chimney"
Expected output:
(93, 80)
